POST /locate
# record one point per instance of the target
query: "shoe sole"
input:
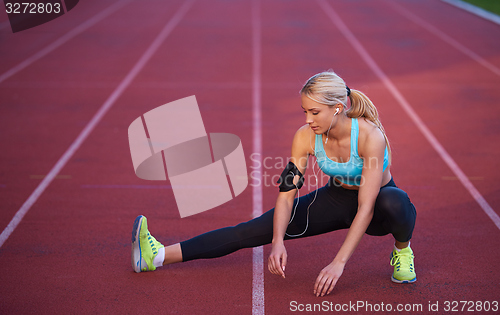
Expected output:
(136, 244)
(403, 281)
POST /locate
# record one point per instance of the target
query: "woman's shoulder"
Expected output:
(369, 133)
(304, 133)
(304, 138)
(303, 130)
(365, 124)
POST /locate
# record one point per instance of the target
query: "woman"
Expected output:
(351, 147)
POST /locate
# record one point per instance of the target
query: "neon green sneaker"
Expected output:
(404, 270)
(144, 246)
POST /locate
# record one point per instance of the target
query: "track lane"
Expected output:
(103, 230)
(40, 103)
(429, 191)
(472, 88)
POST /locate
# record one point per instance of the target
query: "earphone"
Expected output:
(336, 112)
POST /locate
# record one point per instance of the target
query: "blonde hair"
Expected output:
(329, 89)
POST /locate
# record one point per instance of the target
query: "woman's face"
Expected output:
(319, 117)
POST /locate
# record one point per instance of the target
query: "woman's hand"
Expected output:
(277, 260)
(327, 278)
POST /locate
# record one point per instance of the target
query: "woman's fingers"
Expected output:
(270, 265)
(283, 264)
(280, 271)
(276, 264)
(320, 282)
(324, 284)
(318, 285)
(334, 282)
(327, 279)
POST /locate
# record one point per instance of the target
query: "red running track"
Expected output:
(71, 251)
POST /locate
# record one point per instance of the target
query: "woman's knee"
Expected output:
(394, 202)
(257, 229)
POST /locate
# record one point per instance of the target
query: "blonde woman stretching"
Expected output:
(351, 147)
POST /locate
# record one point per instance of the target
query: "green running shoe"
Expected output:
(404, 270)
(144, 246)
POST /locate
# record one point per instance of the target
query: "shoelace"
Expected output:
(402, 261)
(153, 248)
(152, 244)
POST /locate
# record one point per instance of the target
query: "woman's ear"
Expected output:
(338, 108)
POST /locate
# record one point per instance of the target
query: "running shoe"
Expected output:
(144, 246)
(404, 269)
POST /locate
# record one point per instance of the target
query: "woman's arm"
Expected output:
(373, 154)
(284, 203)
(278, 257)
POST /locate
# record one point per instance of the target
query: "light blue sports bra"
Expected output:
(349, 172)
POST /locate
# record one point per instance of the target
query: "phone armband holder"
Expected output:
(286, 178)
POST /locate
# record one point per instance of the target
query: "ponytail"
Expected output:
(362, 106)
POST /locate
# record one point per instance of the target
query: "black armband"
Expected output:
(287, 176)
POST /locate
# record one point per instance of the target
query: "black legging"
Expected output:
(333, 209)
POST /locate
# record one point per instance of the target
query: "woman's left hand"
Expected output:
(327, 278)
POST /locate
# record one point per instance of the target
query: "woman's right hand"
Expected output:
(277, 259)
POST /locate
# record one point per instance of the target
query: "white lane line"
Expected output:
(63, 39)
(466, 51)
(167, 29)
(475, 10)
(258, 252)
(335, 18)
